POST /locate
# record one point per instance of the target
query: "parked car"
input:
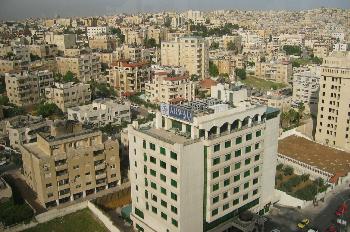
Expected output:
(312, 230)
(303, 223)
(341, 221)
(343, 208)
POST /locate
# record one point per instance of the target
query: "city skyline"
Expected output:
(19, 9)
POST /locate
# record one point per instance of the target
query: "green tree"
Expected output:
(292, 50)
(214, 45)
(48, 109)
(68, 77)
(4, 100)
(279, 167)
(118, 33)
(194, 77)
(241, 73)
(34, 57)
(288, 171)
(231, 46)
(150, 43)
(213, 69)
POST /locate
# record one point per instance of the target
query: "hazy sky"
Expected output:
(18, 9)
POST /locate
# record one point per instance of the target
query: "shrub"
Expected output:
(288, 171)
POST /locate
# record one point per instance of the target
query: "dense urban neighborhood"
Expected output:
(220, 121)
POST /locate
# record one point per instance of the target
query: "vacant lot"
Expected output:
(262, 84)
(80, 221)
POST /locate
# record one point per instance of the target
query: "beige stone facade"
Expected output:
(70, 163)
(279, 72)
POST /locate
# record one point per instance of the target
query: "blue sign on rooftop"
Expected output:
(177, 112)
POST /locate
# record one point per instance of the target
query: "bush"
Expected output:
(288, 171)
(11, 213)
(241, 73)
(305, 177)
(48, 109)
(279, 167)
(307, 193)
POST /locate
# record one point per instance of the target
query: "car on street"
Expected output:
(312, 230)
(303, 223)
(343, 208)
(275, 230)
(341, 222)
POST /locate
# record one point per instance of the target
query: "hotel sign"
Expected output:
(177, 112)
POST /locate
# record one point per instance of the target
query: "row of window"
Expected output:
(228, 143)
(162, 164)
(162, 214)
(237, 153)
(162, 150)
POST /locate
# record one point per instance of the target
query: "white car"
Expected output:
(275, 230)
(312, 230)
(341, 221)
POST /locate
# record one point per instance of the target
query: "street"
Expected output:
(321, 217)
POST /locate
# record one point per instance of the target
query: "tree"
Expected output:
(292, 50)
(213, 69)
(167, 22)
(34, 57)
(288, 171)
(214, 45)
(241, 73)
(150, 43)
(301, 109)
(118, 33)
(194, 77)
(279, 167)
(48, 109)
(4, 100)
(69, 77)
(231, 46)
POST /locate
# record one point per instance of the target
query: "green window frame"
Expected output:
(225, 206)
(237, 165)
(153, 185)
(226, 182)
(246, 185)
(152, 146)
(173, 183)
(145, 169)
(153, 172)
(174, 209)
(154, 198)
(258, 133)
(173, 169)
(139, 213)
(162, 164)
(247, 161)
(227, 156)
(238, 140)
(248, 136)
(163, 190)
(163, 177)
(164, 216)
(237, 178)
(216, 147)
(162, 150)
(236, 190)
(257, 157)
(255, 192)
(144, 144)
(164, 203)
(256, 169)
(257, 146)
(173, 196)
(247, 173)
(174, 222)
(216, 161)
(245, 197)
(146, 194)
(144, 157)
(214, 212)
(146, 182)
(248, 149)
(238, 153)
(215, 174)
(152, 159)
(236, 201)
(154, 210)
(173, 155)
(215, 199)
(228, 144)
(255, 181)
(215, 186)
(227, 169)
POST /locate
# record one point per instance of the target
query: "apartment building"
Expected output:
(70, 163)
(128, 77)
(229, 93)
(340, 47)
(86, 67)
(281, 102)
(63, 41)
(170, 89)
(201, 164)
(228, 64)
(9, 65)
(93, 31)
(22, 129)
(66, 95)
(101, 112)
(275, 71)
(44, 50)
(333, 121)
(321, 50)
(306, 89)
(26, 88)
(190, 52)
(103, 42)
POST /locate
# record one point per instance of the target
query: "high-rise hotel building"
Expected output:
(201, 164)
(333, 117)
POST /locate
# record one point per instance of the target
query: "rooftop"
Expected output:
(325, 158)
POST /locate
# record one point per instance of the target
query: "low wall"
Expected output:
(102, 217)
(287, 200)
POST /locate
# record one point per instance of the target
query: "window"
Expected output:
(245, 197)
(225, 195)
(152, 146)
(257, 157)
(255, 192)
(173, 155)
(174, 183)
(255, 181)
(246, 173)
(163, 190)
(154, 209)
(248, 149)
(216, 147)
(162, 151)
(236, 178)
(256, 169)
(236, 190)
(226, 169)
(215, 186)
(236, 202)
(174, 222)
(215, 199)
(225, 206)
(146, 194)
(164, 216)
(48, 185)
(163, 203)
(153, 173)
(214, 212)
(237, 165)
(257, 146)
(174, 196)
(226, 182)
(238, 153)
(144, 144)
(153, 185)
(154, 198)
(163, 178)
(247, 161)
(145, 169)
(228, 144)
(144, 157)
(162, 164)
(258, 133)
(248, 136)
(152, 159)
(246, 185)
(227, 156)
(174, 209)
(215, 174)
(173, 169)
(216, 160)
(238, 140)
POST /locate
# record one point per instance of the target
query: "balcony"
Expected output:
(63, 186)
(61, 167)
(100, 166)
(101, 176)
